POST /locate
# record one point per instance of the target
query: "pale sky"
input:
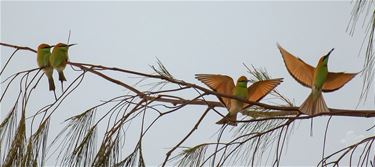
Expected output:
(190, 38)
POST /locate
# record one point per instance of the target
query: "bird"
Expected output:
(318, 79)
(224, 84)
(43, 56)
(59, 58)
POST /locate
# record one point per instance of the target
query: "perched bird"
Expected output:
(318, 79)
(59, 58)
(43, 56)
(224, 84)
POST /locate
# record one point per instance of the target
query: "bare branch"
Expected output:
(264, 126)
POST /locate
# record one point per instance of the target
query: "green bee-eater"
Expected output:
(59, 58)
(318, 79)
(224, 84)
(43, 55)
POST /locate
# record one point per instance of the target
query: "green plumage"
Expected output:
(321, 73)
(43, 56)
(240, 91)
(315, 102)
(59, 59)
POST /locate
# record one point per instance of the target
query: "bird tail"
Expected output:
(314, 104)
(229, 119)
(61, 76)
(49, 73)
(51, 84)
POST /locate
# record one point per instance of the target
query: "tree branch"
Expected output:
(283, 110)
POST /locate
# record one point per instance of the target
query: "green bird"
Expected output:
(59, 59)
(224, 84)
(318, 79)
(43, 56)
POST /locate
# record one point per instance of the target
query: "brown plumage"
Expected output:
(224, 85)
(318, 79)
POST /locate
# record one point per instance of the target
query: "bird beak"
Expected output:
(330, 52)
(71, 45)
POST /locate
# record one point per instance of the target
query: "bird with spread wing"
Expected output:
(224, 85)
(317, 78)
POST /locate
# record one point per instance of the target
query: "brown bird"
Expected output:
(224, 84)
(318, 79)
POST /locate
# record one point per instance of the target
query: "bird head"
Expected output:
(44, 47)
(63, 46)
(324, 60)
(242, 81)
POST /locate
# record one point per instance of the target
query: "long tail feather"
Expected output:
(229, 119)
(311, 127)
(313, 106)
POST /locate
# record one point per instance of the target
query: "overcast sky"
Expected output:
(190, 38)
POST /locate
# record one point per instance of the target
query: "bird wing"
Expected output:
(301, 71)
(46, 60)
(219, 83)
(337, 80)
(261, 88)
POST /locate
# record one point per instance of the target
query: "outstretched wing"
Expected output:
(301, 71)
(219, 83)
(337, 80)
(261, 88)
